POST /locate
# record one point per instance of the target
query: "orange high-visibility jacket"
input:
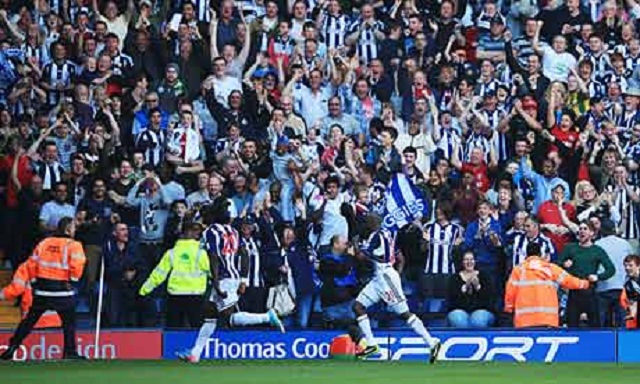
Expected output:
(532, 292)
(58, 259)
(21, 285)
(630, 322)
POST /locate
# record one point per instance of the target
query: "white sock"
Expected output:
(365, 327)
(246, 318)
(419, 328)
(205, 333)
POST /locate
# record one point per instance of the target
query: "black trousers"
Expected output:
(254, 300)
(184, 311)
(66, 308)
(583, 301)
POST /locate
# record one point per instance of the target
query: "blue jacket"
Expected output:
(116, 262)
(301, 269)
(486, 254)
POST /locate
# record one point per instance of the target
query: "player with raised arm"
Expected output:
(386, 286)
(221, 241)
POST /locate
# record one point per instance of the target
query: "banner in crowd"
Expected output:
(404, 203)
(628, 342)
(497, 345)
(113, 345)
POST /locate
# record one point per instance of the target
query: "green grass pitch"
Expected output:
(312, 372)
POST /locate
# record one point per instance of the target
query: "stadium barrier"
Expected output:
(121, 344)
(489, 345)
(629, 346)
(604, 346)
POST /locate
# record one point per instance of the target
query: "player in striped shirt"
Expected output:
(531, 235)
(385, 286)
(222, 243)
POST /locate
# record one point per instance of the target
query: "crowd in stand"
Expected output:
(518, 120)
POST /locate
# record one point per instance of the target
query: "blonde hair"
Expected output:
(580, 187)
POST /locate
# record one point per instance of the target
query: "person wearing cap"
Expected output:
(171, 88)
(186, 269)
(585, 260)
(491, 45)
(550, 217)
(617, 249)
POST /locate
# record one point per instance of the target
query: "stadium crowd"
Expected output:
(518, 121)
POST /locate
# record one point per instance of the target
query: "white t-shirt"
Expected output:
(555, 66)
(223, 87)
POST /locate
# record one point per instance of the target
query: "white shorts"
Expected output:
(230, 287)
(385, 286)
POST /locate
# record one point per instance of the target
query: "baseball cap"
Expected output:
(283, 140)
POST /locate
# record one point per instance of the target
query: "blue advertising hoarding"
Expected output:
(520, 346)
(490, 345)
(628, 346)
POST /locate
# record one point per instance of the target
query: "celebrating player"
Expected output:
(385, 285)
(221, 242)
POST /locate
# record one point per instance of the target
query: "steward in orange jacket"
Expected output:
(532, 290)
(631, 290)
(21, 285)
(56, 262)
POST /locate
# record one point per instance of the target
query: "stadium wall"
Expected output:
(606, 346)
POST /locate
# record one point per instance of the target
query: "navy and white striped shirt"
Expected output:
(334, 30)
(121, 64)
(440, 258)
(477, 140)
(202, 10)
(251, 250)
(54, 73)
(39, 52)
(380, 247)
(486, 87)
(622, 201)
(367, 44)
(521, 241)
(152, 144)
(223, 241)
